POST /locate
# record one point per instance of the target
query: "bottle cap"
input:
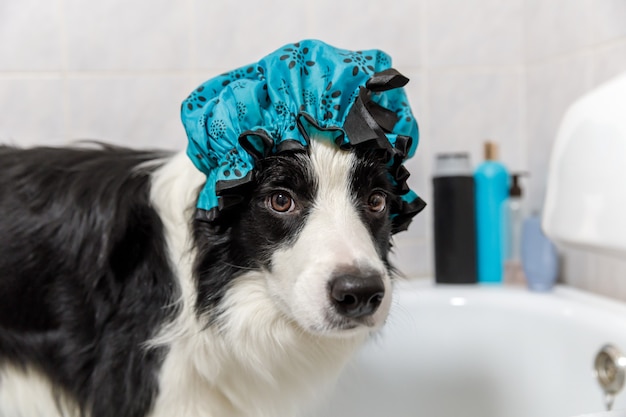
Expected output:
(516, 190)
(491, 151)
(452, 164)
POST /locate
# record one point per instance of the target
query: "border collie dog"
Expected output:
(118, 300)
(114, 302)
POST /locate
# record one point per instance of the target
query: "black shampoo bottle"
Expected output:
(454, 220)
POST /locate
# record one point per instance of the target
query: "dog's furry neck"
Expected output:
(232, 366)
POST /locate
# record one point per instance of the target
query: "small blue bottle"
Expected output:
(540, 258)
(491, 180)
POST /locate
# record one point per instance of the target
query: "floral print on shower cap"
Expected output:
(301, 92)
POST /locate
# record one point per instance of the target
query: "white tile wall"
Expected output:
(30, 36)
(128, 110)
(117, 70)
(127, 35)
(393, 26)
(469, 107)
(608, 18)
(609, 60)
(32, 111)
(557, 27)
(229, 34)
(475, 33)
(551, 86)
(412, 257)
(599, 273)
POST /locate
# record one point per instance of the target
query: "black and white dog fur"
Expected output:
(115, 302)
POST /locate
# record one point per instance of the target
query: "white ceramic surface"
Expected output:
(585, 199)
(477, 351)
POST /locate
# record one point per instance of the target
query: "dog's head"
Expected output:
(303, 153)
(318, 224)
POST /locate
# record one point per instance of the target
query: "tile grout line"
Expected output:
(63, 40)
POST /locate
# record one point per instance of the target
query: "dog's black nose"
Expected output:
(355, 295)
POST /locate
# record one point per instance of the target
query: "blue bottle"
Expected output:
(491, 180)
(540, 258)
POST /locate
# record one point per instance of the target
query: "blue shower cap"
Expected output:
(301, 91)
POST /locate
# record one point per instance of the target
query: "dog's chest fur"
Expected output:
(132, 308)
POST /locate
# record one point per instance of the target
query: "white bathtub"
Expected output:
(476, 351)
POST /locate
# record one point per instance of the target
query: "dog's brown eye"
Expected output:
(281, 202)
(377, 202)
